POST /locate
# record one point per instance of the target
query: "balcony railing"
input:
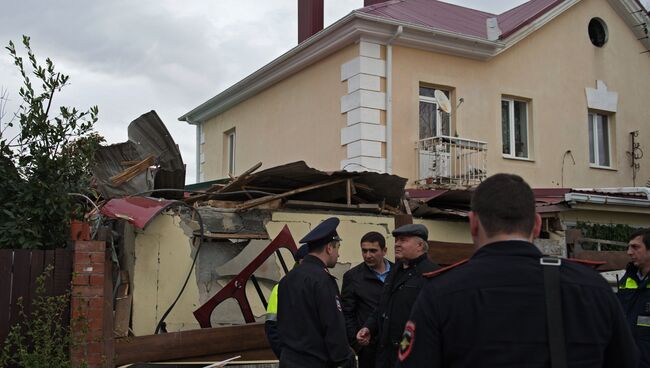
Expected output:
(450, 162)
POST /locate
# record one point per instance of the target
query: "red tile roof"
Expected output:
(453, 18)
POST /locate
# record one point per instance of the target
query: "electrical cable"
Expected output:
(161, 324)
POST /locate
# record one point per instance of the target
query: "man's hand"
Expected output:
(363, 336)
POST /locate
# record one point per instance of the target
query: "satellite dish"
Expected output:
(443, 101)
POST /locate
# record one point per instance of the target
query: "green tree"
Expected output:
(46, 160)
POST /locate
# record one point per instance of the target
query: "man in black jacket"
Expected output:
(362, 286)
(492, 310)
(310, 315)
(399, 293)
(634, 292)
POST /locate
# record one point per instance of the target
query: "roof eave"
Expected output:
(354, 26)
(515, 35)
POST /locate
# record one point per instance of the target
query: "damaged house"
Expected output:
(555, 91)
(404, 106)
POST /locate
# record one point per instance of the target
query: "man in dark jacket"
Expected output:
(310, 315)
(634, 292)
(399, 293)
(492, 310)
(362, 286)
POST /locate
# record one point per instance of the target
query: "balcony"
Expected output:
(450, 162)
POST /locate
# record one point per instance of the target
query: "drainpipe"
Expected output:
(389, 100)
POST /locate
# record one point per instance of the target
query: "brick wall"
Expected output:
(91, 305)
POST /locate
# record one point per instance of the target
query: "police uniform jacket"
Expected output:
(634, 295)
(491, 312)
(310, 318)
(398, 296)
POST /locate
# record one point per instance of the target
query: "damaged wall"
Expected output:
(163, 258)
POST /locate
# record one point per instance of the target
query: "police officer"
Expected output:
(400, 290)
(271, 323)
(634, 292)
(492, 311)
(310, 315)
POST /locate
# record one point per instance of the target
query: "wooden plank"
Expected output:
(616, 260)
(48, 259)
(233, 236)
(333, 206)
(36, 270)
(122, 316)
(444, 253)
(62, 271)
(256, 202)
(20, 287)
(240, 180)
(401, 220)
(194, 343)
(6, 260)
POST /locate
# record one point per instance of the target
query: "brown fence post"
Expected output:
(92, 305)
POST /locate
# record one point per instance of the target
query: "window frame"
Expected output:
(511, 124)
(231, 140)
(439, 113)
(592, 120)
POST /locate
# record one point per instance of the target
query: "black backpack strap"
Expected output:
(555, 321)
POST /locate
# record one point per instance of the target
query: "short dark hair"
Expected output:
(504, 204)
(644, 234)
(374, 237)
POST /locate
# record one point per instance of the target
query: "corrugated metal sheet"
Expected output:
(139, 211)
(147, 136)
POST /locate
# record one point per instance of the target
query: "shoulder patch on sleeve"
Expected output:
(408, 338)
(444, 269)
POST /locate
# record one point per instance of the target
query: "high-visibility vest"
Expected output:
(272, 307)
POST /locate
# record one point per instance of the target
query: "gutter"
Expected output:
(389, 100)
(584, 198)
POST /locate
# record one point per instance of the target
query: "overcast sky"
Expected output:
(130, 57)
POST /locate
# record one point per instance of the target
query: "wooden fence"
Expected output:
(19, 269)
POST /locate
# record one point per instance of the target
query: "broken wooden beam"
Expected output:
(363, 207)
(133, 171)
(258, 201)
(232, 340)
(241, 179)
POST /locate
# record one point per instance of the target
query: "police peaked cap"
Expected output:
(324, 233)
(412, 230)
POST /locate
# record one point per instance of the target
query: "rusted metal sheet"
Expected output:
(139, 211)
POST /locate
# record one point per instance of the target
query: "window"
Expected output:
(202, 133)
(597, 30)
(230, 145)
(514, 128)
(433, 121)
(599, 139)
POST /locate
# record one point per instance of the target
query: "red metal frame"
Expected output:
(236, 288)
